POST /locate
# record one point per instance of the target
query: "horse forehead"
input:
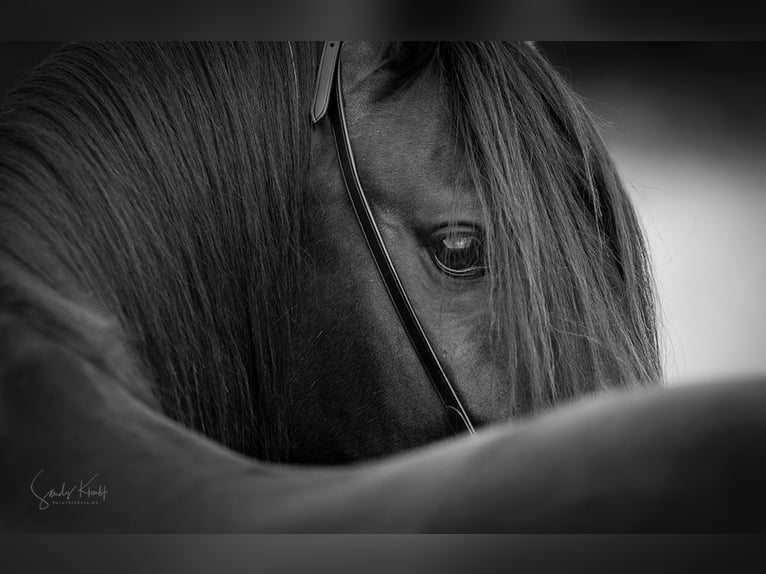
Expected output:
(405, 142)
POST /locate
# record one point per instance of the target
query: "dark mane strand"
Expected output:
(161, 184)
(406, 61)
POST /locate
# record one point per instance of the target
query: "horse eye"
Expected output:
(459, 253)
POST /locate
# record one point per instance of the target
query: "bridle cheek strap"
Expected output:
(328, 100)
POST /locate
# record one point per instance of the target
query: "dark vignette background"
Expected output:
(686, 123)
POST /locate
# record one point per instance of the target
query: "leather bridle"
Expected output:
(328, 100)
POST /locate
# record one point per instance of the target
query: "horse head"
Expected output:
(511, 235)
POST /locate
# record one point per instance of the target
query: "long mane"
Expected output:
(161, 185)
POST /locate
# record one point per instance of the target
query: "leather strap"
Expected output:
(332, 98)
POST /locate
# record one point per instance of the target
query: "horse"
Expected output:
(192, 309)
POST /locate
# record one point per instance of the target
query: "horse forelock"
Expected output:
(570, 283)
(164, 183)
